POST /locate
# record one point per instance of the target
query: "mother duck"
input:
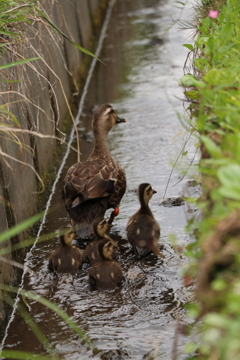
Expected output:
(97, 184)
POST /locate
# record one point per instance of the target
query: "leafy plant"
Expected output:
(29, 295)
(214, 95)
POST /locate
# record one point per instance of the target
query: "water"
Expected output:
(143, 58)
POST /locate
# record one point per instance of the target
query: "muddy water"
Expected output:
(143, 58)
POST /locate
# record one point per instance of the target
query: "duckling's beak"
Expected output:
(154, 191)
(120, 120)
(114, 244)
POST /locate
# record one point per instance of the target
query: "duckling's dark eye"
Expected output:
(149, 189)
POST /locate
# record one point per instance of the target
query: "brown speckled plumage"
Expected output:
(107, 273)
(143, 231)
(99, 183)
(67, 258)
(91, 254)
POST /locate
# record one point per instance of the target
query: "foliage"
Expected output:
(12, 13)
(4, 289)
(17, 18)
(214, 94)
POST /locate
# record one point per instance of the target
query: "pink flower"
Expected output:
(213, 14)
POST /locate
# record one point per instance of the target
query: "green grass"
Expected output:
(214, 89)
(15, 17)
(8, 289)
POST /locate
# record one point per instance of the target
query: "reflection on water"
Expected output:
(143, 60)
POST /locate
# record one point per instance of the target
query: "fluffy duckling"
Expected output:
(143, 231)
(67, 258)
(97, 184)
(107, 273)
(91, 253)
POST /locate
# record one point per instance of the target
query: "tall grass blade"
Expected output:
(22, 355)
(54, 308)
(15, 63)
(66, 37)
(33, 326)
(19, 228)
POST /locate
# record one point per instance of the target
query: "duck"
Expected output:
(97, 184)
(91, 254)
(67, 258)
(105, 274)
(143, 231)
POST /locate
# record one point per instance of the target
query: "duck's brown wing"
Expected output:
(89, 180)
(119, 188)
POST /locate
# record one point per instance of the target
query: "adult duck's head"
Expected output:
(105, 117)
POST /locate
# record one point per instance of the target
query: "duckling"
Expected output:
(100, 228)
(143, 231)
(105, 274)
(67, 258)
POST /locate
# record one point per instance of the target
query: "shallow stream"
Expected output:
(144, 58)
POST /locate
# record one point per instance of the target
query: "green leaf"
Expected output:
(188, 46)
(212, 148)
(217, 320)
(194, 95)
(15, 63)
(189, 80)
(8, 33)
(190, 347)
(219, 285)
(229, 177)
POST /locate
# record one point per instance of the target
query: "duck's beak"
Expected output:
(120, 120)
(154, 191)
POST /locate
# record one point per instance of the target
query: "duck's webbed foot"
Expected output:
(114, 213)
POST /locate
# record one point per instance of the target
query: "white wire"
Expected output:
(77, 120)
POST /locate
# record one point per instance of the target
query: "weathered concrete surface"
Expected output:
(38, 103)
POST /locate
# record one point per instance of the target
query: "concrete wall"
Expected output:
(37, 102)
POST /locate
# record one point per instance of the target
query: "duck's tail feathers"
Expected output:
(83, 230)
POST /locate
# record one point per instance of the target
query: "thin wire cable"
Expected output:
(77, 120)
